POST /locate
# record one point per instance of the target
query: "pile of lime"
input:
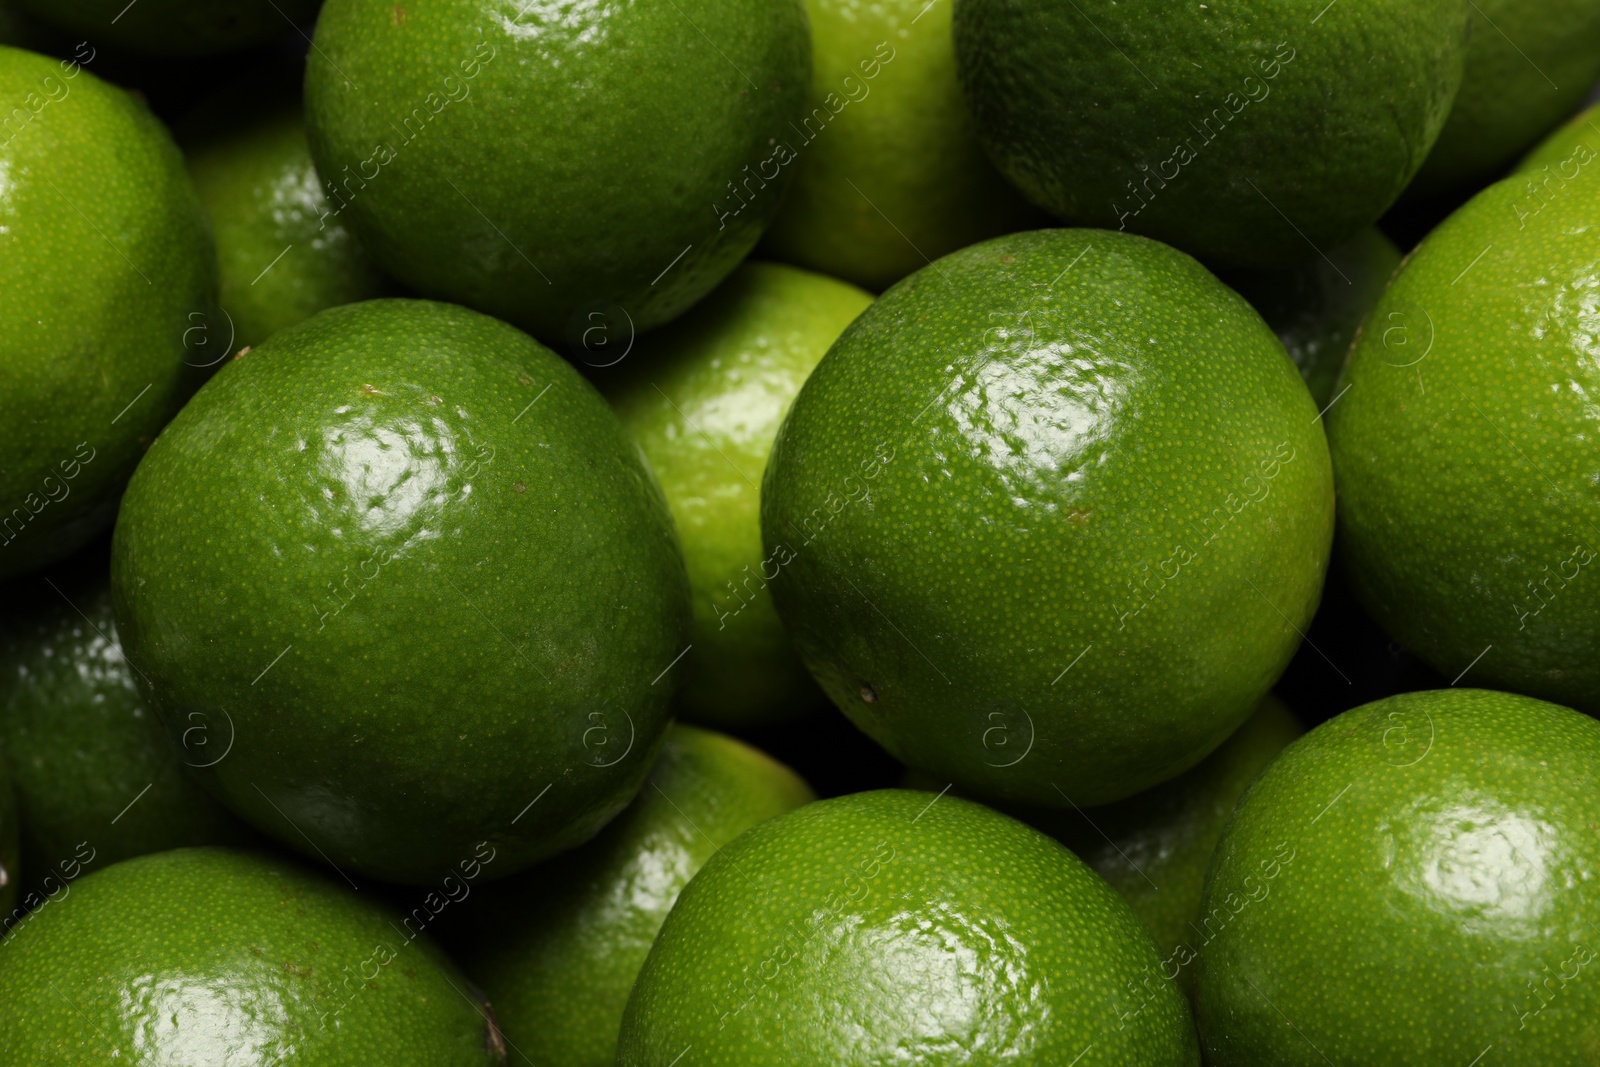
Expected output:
(799, 533)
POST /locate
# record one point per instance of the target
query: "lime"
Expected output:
(548, 162)
(236, 960)
(1441, 843)
(704, 399)
(106, 271)
(890, 172)
(1056, 511)
(284, 254)
(1530, 65)
(894, 927)
(1463, 449)
(557, 949)
(1249, 134)
(407, 563)
(1154, 848)
(1316, 308)
(91, 761)
(1566, 152)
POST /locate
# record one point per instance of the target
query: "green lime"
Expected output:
(235, 959)
(1055, 512)
(894, 927)
(547, 163)
(284, 254)
(557, 949)
(704, 398)
(175, 27)
(890, 173)
(1530, 64)
(1437, 843)
(1463, 447)
(1316, 308)
(408, 562)
(1154, 848)
(1566, 152)
(90, 759)
(105, 268)
(1250, 134)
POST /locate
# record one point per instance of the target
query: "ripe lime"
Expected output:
(1463, 447)
(1249, 134)
(896, 927)
(235, 959)
(1529, 65)
(557, 949)
(1441, 843)
(1052, 515)
(704, 399)
(544, 162)
(890, 173)
(410, 565)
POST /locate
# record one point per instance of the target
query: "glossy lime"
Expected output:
(1154, 848)
(1441, 843)
(557, 949)
(284, 255)
(178, 28)
(1464, 448)
(91, 761)
(1566, 151)
(704, 398)
(235, 960)
(895, 927)
(407, 560)
(547, 161)
(1249, 134)
(1529, 66)
(890, 171)
(105, 264)
(1317, 307)
(1020, 503)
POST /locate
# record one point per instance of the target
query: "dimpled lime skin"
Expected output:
(407, 561)
(541, 161)
(1412, 882)
(90, 759)
(235, 959)
(1463, 449)
(283, 256)
(105, 263)
(1530, 64)
(1318, 115)
(1050, 513)
(1154, 848)
(704, 399)
(890, 171)
(880, 928)
(177, 28)
(1317, 307)
(1561, 151)
(559, 947)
